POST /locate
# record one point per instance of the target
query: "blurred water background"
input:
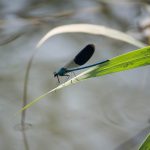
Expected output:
(111, 112)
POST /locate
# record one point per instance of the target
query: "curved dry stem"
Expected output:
(24, 102)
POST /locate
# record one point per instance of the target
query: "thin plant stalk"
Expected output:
(24, 102)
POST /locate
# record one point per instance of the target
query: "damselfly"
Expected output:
(80, 59)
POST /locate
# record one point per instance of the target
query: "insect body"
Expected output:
(80, 59)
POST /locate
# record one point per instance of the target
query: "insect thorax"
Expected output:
(62, 71)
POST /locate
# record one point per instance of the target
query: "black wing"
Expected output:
(82, 57)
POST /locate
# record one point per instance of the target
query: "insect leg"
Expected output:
(75, 75)
(58, 79)
(67, 75)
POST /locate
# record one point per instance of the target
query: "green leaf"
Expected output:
(146, 144)
(123, 62)
(130, 60)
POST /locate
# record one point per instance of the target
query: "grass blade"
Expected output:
(92, 29)
(130, 60)
(146, 144)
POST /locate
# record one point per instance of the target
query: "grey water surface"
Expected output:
(111, 112)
